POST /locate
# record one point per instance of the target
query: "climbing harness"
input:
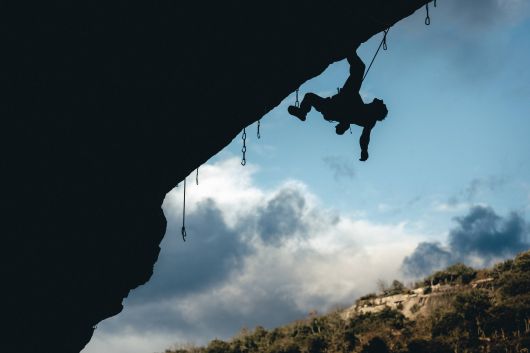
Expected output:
(384, 46)
(244, 148)
(197, 176)
(258, 134)
(183, 230)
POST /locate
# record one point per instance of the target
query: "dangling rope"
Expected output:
(183, 230)
(244, 148)
(197, 176)
(258, 134)
(427, 18)
(382, 44)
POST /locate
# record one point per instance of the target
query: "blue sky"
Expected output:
(305, 225)
(458, 94)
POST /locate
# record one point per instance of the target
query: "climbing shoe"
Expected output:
(296, 111)
(341, 128)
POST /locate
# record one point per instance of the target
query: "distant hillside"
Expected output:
(456, 310)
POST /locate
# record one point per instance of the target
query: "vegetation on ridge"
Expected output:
(494, 318)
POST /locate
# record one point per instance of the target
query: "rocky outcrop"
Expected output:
(107, 106)
(420, 301)
(410, 304)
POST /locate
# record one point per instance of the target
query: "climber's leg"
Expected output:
(310, 100)
(341, 127)
(315, 101)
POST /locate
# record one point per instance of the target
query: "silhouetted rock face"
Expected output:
(108, 106)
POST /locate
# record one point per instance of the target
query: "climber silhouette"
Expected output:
(347, 106)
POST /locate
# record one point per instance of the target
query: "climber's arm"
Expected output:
(364, 141)
(355, 62)
(353, 83)
(351, 86)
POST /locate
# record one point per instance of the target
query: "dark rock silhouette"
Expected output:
(106, 106)
(347, 106)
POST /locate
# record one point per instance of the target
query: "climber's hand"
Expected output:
(364, 156)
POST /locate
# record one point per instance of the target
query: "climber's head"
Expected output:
(377, 110)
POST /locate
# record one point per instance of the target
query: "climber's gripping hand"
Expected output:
(364, 156)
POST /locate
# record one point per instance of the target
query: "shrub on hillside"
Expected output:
(376, 345)
(455, 274)
(428, 346)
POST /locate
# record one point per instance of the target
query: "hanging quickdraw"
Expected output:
(183, 230)
(427, 18)
(258, 133)
(197, 176)
(382, 44)
(244, 148)
(296, 102)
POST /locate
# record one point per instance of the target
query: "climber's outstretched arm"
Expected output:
(364, 141)
(355, 61)
(353, 83)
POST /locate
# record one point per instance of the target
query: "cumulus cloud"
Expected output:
(252, 257)
(484, 234)
(479, 238)
(130, 340)
(221, 251)
(281, 216)
(426, 257)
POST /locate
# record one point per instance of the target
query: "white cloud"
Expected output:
(479, 239)
(291, 256)
(130, 340)
(227, 182)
